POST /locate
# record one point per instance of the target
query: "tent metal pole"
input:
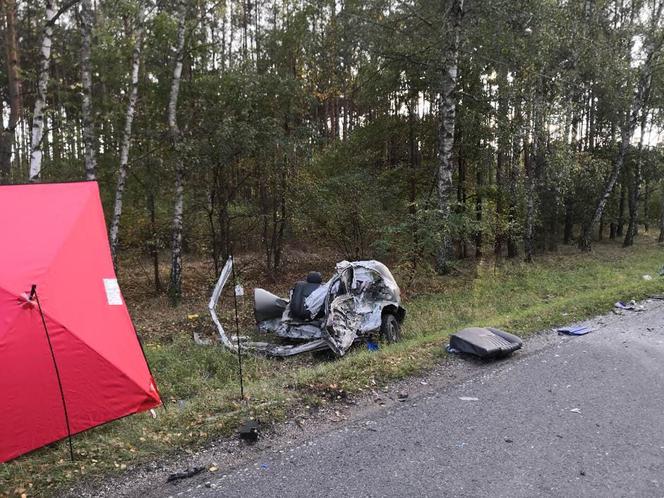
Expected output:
(33, 292)
(237, 330)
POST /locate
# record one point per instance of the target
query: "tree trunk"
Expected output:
(529, 151)
(533, 165)
(569, 221)
(87, 20)
(38, 117)
(175, 285)
(621, 210)
(639, 102)
(126, 137)
(447, 117)
(13, 90)
(502, 155)
(154, 243)
(635, 194)
(413, 156)
(661, 220)
(478, 205)
(461, 191)
(517, 124)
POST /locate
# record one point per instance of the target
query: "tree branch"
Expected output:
(65, 7)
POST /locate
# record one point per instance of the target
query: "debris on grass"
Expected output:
(372, 346)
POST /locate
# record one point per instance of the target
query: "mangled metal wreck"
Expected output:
(361, 301)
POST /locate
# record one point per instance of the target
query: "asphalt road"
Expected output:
(584, 416)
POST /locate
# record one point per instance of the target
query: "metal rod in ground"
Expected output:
(33, 292)
(237, 331)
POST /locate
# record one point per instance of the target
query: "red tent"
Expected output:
(69, 356)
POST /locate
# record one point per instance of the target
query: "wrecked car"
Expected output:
(360, 302)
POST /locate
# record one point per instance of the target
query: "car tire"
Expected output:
(390, 329)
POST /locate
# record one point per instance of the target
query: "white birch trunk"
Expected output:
(38, 118)
(175, 286)
(126, 137)
(447, 113)
(87, 21)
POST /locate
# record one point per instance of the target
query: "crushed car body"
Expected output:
(360, 301)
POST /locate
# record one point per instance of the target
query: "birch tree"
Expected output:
(175, 285)
(38, 114)
(447, 117)
(86, 82)
(653, 44)
(126, 136)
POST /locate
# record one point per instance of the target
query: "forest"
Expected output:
(410, 131)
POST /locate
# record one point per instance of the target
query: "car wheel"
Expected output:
(390, 329)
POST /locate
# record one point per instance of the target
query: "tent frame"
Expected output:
(33, 294)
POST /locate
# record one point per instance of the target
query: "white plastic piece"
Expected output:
(214, 300)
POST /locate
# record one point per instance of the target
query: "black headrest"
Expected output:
(314, 277)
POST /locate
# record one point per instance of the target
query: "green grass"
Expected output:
(522, 298)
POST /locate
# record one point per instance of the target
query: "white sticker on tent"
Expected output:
(113, 295)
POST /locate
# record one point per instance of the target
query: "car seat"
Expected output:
(301, 291)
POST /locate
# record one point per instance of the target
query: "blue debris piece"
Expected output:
(581, 330)
(372, 346)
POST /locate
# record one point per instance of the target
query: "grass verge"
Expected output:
(199, 384)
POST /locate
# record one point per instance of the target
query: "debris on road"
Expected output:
(487, 343)
(580, 330)
(468, 398)
(250, 431)
(575, 410)
(402, 396)
(186, 474)
(630, 306)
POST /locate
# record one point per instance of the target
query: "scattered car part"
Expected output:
(250, 431)
(581, 330)
(630, 306)
(486, 343)
(361, 300)
(186, 474)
